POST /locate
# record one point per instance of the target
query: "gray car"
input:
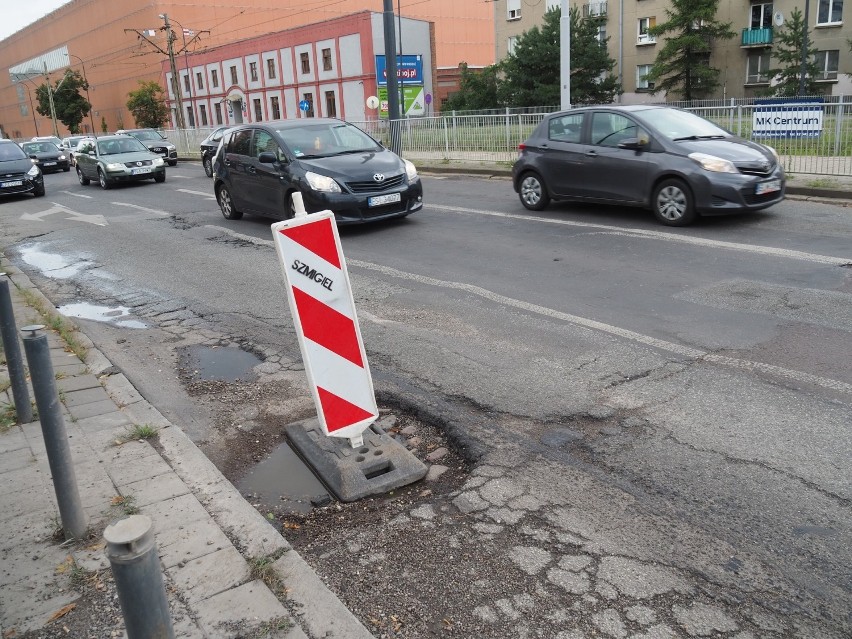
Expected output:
(668, 160)
(112, 159)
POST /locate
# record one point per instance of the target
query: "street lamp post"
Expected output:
(86, 80)
(32, 107)
(50, 100)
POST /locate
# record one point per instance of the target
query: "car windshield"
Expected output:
(146, 135)
(11, 152)
(125, 145)
(682, 125)
(323, 140)
(40, 147)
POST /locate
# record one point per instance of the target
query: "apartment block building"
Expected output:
(743, 60)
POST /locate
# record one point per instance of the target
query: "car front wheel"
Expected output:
(672, 203)
(104, 182)
(160, 177)
(533, 192)
(227, 204)
(82, 178)
(208, 166)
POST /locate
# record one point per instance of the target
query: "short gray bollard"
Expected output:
(132, 553)
(53, 429)
(17, 374)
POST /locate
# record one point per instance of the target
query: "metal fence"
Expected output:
(494, 137)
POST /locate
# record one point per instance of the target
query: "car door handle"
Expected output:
(591, 154)
(251, 169)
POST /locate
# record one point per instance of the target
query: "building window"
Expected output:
(218, 109)
(642, 83)
(830, 11)
(309, 98)
(326, 59)
(330, 105)
(511, 43)
(199, 80)
(756, 68)
(233, 75)
(602, 34)
(306, 63)
(202, 111)
(186, 84)
(214, 78)
(253, 71)
(258, 111)
(761, 16)
(276, 108)
(645, 24)
(190, 116)
(513, 9)
(827, 62)
(270, 69)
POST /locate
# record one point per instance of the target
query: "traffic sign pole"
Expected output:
(323, 308)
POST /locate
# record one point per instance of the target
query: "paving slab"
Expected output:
(86, 396)
(251, 605)
(155, 489)
(191, 541)
(209, 575)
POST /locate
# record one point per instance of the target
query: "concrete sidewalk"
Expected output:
(208, 536)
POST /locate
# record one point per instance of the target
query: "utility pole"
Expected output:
(804, 66)
(50, 99)
(565, 56)
(170, 40)
(393, 86)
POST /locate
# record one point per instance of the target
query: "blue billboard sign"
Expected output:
(409, 69)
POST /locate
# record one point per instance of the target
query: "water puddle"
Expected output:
(210, 363)
(283, 481)
(119, 315)
(51, 264)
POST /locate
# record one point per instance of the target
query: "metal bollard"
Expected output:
(9, 335)
(132, 553)
(53, 429)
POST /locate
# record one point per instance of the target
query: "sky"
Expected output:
(26, 13)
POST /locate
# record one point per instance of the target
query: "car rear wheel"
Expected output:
(82, 178)
(223, 195)
(173, 163)
(66, 169)
(532, 192)
(104, 182)
(208, 166)
(672, 203)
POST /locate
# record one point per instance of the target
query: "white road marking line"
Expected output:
(206, 194)
(88, 197)
(141, 208)
(647, 340)
(659, 235)
(179, 177)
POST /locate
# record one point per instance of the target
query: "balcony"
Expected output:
(594, 10)
(757, 37)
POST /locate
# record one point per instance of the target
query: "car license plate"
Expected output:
(379, 200)
(9, 184)
(50, 163)
(767, 187)
(139, 171)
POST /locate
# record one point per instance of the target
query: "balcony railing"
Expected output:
(594, 10)
(757, 37)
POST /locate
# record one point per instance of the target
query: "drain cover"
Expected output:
(378, 466)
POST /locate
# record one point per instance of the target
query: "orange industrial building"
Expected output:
(105, 41)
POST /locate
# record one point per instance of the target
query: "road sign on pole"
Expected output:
(323, 309)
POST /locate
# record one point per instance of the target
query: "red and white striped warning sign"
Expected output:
(324, 317)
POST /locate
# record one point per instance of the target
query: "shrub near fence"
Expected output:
(494, 137)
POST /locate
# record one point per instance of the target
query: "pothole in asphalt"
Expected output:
(118, 315)
(282, 479)
(217, 363)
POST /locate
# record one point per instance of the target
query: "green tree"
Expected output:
(477, 90)
(682, 65)
(531, 73)
(71, 107)
(787, 50)
(148, 105)
(104, 127)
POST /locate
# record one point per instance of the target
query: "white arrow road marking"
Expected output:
(88, 197)
(97, 220)
(141, 208)
(208, 195)
(38, 216)
(679, 350)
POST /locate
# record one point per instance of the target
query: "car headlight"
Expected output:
(158, 161)
(410, 171)
(170, 147)
(322, 182)
(33, 170)
(712, 163)
(61, 157)
(773, 152)
(113, 166)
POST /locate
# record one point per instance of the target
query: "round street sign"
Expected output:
(372, 102)
(304, 105)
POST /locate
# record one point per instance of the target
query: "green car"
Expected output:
(112, 159)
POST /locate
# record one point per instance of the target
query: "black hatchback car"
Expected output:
(18, 174)
(671, 161)
(47, 155)
(334, 164)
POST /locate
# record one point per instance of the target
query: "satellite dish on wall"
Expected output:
(778, 18)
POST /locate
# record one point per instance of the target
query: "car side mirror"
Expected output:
(34, 157)
(267, 157)
(635, 144)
